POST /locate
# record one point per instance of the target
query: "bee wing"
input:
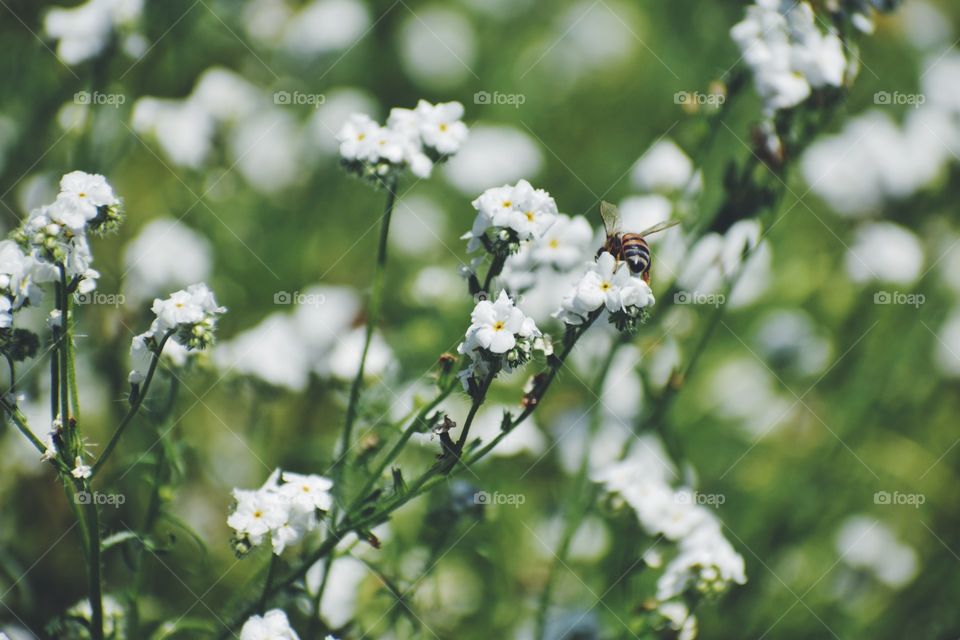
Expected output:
(611, 218)
(659, 227)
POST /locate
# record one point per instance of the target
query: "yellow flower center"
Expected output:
(361, 136)
(554, 244)
(605, 286)
(507, 204)
(529, 215)
(443, 126)
(498, 325)
(258, 514)
(82, 194)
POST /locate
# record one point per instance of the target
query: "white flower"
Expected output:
(83, 31)
(80, 471)
(307, 492)
(81, 196)
(50, 452)
(273, 625)
(412, 138)
(565, 244)
(679, 618)
(285, 511)
(526, 211)
(140, 358)
(441, 128)
(607, 284)
(706, 562)
(495, 326)
(788, 53)
(499, 334)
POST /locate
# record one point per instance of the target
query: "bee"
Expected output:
(632, 248)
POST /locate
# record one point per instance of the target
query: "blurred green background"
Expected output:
(796, 449)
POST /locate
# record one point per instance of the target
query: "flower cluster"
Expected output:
(564, 246)
(56, 234)
(273, 625)
(286, 511)
(500, 337)
(83, 31)
(788, 53)
(509, 215)
(705, 562)
(413, 138)
(608, 284)
(188, 317)
(17, 288)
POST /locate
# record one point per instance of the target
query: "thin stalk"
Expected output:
(399, 445)
(93, 565)
(135, 407)
(373, 317)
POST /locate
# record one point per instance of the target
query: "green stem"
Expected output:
(373, 317)
(271, 571)
(414, 427)
(93, 565)
(135, 407)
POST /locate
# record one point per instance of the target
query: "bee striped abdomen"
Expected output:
(635, 252)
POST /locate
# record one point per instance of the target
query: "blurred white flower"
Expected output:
(866, 543)
(329, 117)
(83, 31)
(946, 348)
(273, 625)
(345, 357)
(326, 25)
(164, 255)
(782, 43)
(183, 129)
(493, 155)
(339, 603)
(437, 46)
(664, 167)
(886, 252)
